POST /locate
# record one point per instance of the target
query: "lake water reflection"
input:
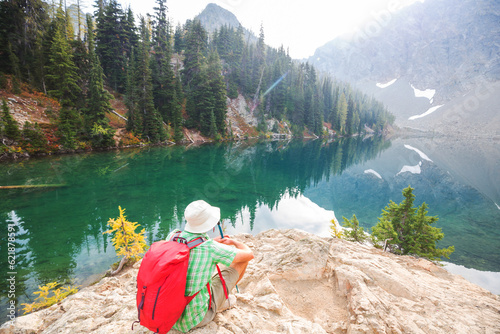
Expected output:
(59, 231)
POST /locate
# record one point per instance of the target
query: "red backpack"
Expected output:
(161, 283)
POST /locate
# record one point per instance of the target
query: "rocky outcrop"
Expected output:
(240, 118)
(301, 283)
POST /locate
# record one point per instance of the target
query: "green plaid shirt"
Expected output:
(202, 261)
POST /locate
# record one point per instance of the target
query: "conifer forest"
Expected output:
(169, 78)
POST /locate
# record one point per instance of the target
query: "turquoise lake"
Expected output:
(279, 184)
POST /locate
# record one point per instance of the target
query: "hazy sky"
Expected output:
(302, 26)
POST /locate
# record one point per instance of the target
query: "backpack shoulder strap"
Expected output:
(191, 244)
(195, 242)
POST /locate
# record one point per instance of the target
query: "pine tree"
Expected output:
(353, 232)
(195, 51)
(350, 116)
(97, 98)
(177, 119)
(260, 53)
(82, 64)
(152, 126)
(203, 102)
(212, 125)
(68, 25)
(22, 26)
(134, 119)
(67, 127)
(131, 40)
(195, 78)
(16, 85)
(11, 21)
(162, 73)
(342, 113)
(79, 19)
(409, 229)
(178, 39)
(111, 39)
(218, 92)
(62, 76)
(11, 128)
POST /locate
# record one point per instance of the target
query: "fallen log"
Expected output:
(33, 186)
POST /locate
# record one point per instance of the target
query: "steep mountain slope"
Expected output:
(444, 55)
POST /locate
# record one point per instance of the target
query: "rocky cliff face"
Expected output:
(450, 46)
(301, 283)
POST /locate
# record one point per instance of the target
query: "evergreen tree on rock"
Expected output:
(408, 229)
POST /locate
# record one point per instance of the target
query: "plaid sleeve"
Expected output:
(223, 253)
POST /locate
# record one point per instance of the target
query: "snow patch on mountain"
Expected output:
(382, 85)
(428, 93)
(428, 112)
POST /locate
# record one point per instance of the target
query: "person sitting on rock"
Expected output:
(201, 217)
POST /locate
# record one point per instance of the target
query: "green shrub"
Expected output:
(353, 231)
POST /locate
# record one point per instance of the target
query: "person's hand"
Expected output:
(226, 240)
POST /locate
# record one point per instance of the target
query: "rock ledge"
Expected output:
(300, 283)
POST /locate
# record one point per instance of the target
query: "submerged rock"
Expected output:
(300, 283)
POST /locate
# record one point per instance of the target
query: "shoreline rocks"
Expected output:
(300, 283)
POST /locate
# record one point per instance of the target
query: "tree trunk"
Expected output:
(120, 267)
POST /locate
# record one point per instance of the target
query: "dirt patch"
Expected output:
(314, 300)
(194, 136)
(32, 107)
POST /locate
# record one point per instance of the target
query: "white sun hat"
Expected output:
(201, 217)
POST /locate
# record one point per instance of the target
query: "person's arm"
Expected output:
(243, 252)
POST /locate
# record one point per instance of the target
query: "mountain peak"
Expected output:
(214, 16)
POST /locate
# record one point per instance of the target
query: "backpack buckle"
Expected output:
(180, 240)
